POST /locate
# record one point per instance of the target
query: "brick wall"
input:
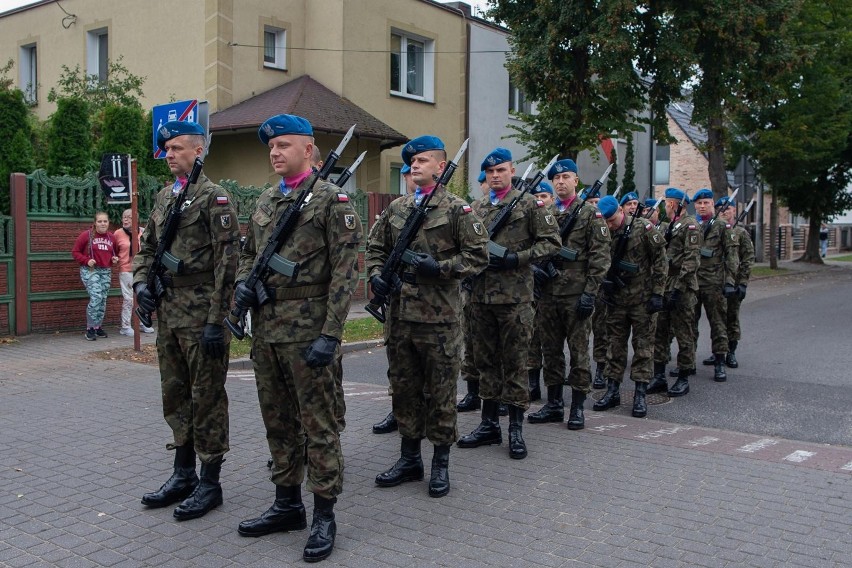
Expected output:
(56, 315)
(4, 275)
(687, 165)
(4, 319)
(56, 236)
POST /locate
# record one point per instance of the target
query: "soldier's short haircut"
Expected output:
(316, 156)
(197, 140)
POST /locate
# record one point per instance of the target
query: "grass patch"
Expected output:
(762, 271)
(361, 329)
(844, 258)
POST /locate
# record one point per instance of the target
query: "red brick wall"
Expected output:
(56, 236)
(57, 315)
(4, 320)
(687, 165)
(4, 278)
(59, 276)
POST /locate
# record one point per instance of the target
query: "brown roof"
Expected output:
(326, 111)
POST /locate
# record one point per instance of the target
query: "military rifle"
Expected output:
(164, 260)
(716, 214)
(618, 266)
(744, 213)
(400, 252)
(567, 225)
(348, 172)
(670, 228)
(269, 259)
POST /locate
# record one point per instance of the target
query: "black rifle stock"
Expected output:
(618, 265)
(567, 225)
(400, 252)
(163, 260)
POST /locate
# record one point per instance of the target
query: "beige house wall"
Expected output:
(687, 165)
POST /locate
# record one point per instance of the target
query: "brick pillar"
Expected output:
(18, 198)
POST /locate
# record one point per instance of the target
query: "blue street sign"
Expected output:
(192, 110)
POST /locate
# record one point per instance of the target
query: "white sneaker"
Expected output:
(128, 331)
(147, 329)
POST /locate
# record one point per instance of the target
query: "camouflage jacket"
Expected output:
(207, 243)
(531, 233)
(643, 266)
(745, 254)
(588, 243)
(683, 254)
(719, 255)
(452, 234)
(325, 245)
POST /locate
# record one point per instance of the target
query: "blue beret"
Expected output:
(282, 124)
(497, 156)
(675, 193)
(651, 202)
(562, 166)
(405, 169)
(724, 202)
(418, 145)
(481, 177)
(629, 196)
(608, 206)
(702, 194)
(544, 187)
(175, 128)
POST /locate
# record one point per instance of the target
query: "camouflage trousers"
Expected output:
(195, 403)
(677, 324)
(339, 400)
(469, 372)
(299, 406)
(600, 343)
(732, 319)
(423, 367)
(534, 355)
(502, 338)
(97, 282)
(621, 323)
(559, 323)
(715, 306)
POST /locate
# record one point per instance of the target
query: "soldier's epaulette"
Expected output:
(342, 197)
(465, 209)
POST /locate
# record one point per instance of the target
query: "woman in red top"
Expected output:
(95, 251)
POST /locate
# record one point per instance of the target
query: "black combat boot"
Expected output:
(599, 382)
(488, 432)
(676, 372)
(576, 419)
(681, 385)
(711, 360)
(323, 530)
(611, 398)
(180, 485)
(286, 514)
(640, 409)
(534, 384)
(502, 409)
(386, 426)
(207, 495)
(517, 446)
(471, 400)
(553, 410)
(731, 357)
(719, 374)
(658, 382)
(409, 466)
(439, 481)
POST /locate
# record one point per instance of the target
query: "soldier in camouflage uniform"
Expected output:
(297, 334)
(634, 291)
(502, 313)
(192, 345)
(544, 193)
(717, 274)
(568, 300)
(683, 243)
(746, 256)
(424, 340)
(629, 202)
(600, 342)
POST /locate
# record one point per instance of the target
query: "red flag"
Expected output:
(607, 147)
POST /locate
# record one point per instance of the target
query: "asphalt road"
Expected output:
(795, 360)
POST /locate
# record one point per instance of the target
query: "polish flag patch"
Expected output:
(598, 215)
(342, 197)
(539, 202)
(221, 200)
(466, 209)
(692, 227)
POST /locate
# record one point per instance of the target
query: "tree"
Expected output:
(70, 148)
(123, 130)
(15, 144)
(123, 87)
(573, 59)
(802, 142)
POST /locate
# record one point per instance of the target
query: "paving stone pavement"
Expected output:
(81, 439)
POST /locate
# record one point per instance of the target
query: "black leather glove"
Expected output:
(729, 290)
(380, 287)
(321, 351)
(585, 305)
(145, 298)
(741, 291)
(425, 265)
(673, 299)
(540, 276)
(655, 304)
(213, 340)
(244, 297)
(509, 262)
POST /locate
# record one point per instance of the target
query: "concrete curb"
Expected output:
(244, 363)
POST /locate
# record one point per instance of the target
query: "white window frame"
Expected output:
(29, 72)
(95, 40)
(662, 164)
(280, 49)
(428, 66)
(515, 94)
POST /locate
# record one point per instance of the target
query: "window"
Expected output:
(412, 66)
(29, 73)
(518, 101)
(397, 180)
(97, 54)
(274, 48)
(661, 165)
